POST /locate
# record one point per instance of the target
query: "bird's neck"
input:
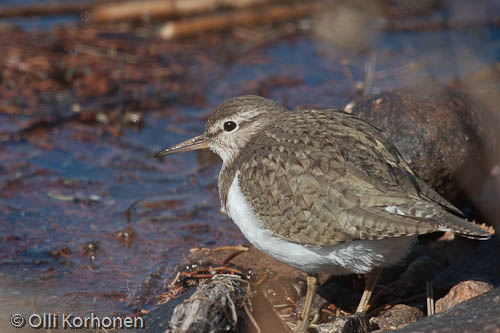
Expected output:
(226, 176)
(232, 152)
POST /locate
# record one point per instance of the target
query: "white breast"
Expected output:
(359, 256)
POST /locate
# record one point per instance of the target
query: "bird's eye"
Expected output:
(229, 126)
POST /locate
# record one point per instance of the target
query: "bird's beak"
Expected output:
(198, 142)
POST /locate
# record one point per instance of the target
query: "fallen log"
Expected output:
(244, 17)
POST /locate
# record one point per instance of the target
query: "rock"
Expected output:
(482, 264)
(479, 314)
(484, 84)
(356, 323)
(416, 275)
(396, 317)
(490, 197)
(461, 292)
(440, 131)
(338, 290)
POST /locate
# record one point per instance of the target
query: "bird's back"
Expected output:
(321, 177)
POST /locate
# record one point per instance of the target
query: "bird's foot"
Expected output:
(302, 327)
(305, 325)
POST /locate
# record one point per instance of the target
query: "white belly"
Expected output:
(359, 256)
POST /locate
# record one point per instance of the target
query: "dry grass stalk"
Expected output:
(430, 298)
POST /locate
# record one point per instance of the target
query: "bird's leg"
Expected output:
(370, 281)
(312, 285)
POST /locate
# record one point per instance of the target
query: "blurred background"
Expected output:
(89, 90)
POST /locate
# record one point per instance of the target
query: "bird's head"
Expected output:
(231, 127)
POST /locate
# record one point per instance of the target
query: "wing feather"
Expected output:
(350, 184)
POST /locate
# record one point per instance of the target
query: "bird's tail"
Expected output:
(465, 229)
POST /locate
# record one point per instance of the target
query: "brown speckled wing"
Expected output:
(324, 177)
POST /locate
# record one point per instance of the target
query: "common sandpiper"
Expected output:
(320, 190)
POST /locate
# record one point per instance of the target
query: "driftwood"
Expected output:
(244, 17)
(161, 9)
(213, 307)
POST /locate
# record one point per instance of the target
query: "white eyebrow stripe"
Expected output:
(239, 119)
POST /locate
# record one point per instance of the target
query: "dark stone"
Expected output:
(396, 317)
(355, 323)
(479, 314)
(338, 290)
(490, 197)
(440, 131)
(424, 250)
(482, 264)
(414, 278)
